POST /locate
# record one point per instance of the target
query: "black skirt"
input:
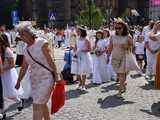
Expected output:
(19, 60)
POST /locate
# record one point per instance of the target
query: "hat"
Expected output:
(106, 29)
(99, 31)
(81, 27)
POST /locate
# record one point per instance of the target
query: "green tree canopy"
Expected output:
(96, 18)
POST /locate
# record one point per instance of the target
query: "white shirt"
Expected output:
(139, 47)
(145, 32)
(20, 47)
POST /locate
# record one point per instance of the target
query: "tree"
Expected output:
(91, 16)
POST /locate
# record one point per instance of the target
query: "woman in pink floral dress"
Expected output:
(42, 80)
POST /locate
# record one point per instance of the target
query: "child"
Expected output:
(100, 67)
(139, 51)
(66, 73)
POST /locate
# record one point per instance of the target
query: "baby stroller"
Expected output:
(66, 72)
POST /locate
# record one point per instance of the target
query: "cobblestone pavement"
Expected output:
(100, 103)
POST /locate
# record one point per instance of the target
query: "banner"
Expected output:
(155, 2)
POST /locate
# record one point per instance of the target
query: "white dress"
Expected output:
(26, 85)
(84, 60)
(101, 71)
(9, 79)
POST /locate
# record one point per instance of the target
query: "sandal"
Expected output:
(119, 94)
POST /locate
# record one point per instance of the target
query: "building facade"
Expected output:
(63, 12)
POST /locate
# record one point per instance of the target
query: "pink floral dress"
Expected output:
(41, 79)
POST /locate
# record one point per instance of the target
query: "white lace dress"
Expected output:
(84, 60)
(41, 79)
(101, 69)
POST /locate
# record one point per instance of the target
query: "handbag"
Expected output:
(130, 62)
(58, 96)
(40, 64)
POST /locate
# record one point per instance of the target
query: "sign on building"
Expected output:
(15, 17)
(51, 16)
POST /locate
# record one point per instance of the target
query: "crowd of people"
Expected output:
(109, 53)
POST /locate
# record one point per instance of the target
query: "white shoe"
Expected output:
(78, 87)
(84, 88)
(1, 116)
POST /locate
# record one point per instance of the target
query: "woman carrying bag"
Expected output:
(43, 71)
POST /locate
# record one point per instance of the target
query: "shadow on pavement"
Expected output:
(112, 101)
(149, 86)
(12, 116)
(74, 93)
(109, 88)
(13, 107)
(155, 110)
(91, 85)
(135, 76)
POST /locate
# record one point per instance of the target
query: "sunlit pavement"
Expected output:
(140, 102)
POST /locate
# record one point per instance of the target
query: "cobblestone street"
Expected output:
(100, 103)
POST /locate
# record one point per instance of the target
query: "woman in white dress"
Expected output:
(84, 60)
(106, 33)
(9, 74)
(100, 67)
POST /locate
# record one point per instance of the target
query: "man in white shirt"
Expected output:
(151, 48)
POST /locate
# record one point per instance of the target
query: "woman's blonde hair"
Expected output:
(26, 27)
(155, 27)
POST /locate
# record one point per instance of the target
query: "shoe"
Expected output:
(21, 105)
(2, 116)
(78, 87)
(124, 90)
(119, 95)
(84, 88)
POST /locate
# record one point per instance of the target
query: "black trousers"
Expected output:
(1, 95)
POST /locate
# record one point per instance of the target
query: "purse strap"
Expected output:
(39, 62)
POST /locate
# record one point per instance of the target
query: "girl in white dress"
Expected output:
(84, 60)
(9, 74)
(101, 69)
(106, 33)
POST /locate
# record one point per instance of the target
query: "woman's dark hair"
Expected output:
(125, 28)
(83, 33)
(108, 33)
(4, 43)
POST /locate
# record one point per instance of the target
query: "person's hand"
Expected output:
(107, 60)
(17, 86)
(125, 46)
(55, 76)
(153, 51)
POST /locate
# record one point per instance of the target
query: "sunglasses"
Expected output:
(118, 28)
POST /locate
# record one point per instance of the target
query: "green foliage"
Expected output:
(125, 13)
(97, 17)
